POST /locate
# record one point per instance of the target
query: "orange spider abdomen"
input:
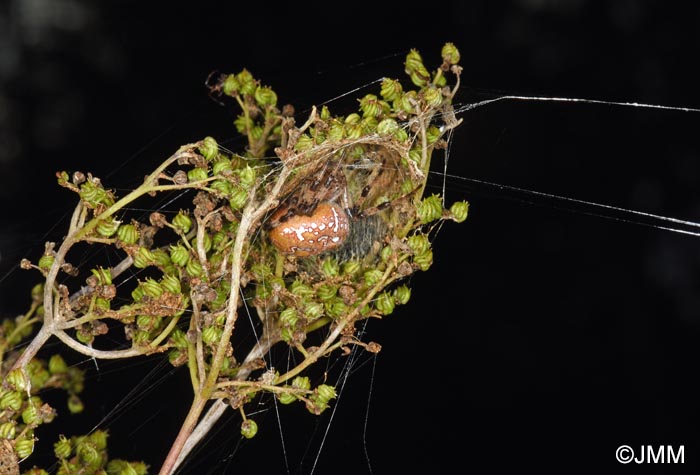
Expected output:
(299, 235)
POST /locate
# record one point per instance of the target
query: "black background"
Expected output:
(542, 338)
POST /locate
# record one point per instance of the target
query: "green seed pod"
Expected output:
(353, 131)
(286, 398)
(208, 148)
(263, 291)
(211, 335)
(8, 430)
(221, 166)
(218, 240)
(171, 284)
(103, 276)
(301, 382)
(424, 260)
(401, 134)
(326, 291)
(182, 222)
(243, 124)
(57, 365)
(93, 195)
(30, 415)
(351, 267)
(247, 177)
(387, 126)
(440, 81)
(140, 468)
(247, 82)
(450, 53)
(107, 228)
(38, 293)
(372, 277)
(265, 96)
(330, 267)
(413, 61)
(17, 380)
(261, 271)
(161, 257)
(369, 125)
(419, 243)
(84, 336)
(407, 102)
(222, 186)
(140, 338)
(433, 134)
(37, 471)
(336, 132)
(11, 400)
(137, 294)
(353, 118)
(239, 197)
(287, 334)
(63, 448)
(197, 174)
(430, 208)
(385, 303)
(63, 178)
(128, 233)
(433, 97)
(177, 357)
(299, 288)
(143, 258)
(88, 454)
(386, 253)
(402, 294)
(146, 322)
(391, 89)
(313, 310)
(256, 132)
(179, 255)
(99, 439)
(420, 77)
(415, 155)
(325, 392)
(194, 268)
(38, 377)
(75, 405)
(304, 142)
(151, 288)
(24, 447)
(336, 308)
(370, 107)
(178, 338)
(230, 86)
(101, 304)
(459, 211)
(288, 317)
(249, 428)
(45, 262)
(325, 113)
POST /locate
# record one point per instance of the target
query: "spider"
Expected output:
(320, 215)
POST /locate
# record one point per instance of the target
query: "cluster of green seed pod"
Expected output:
(21, 414)
(177, 296)
(87, 455)
(320, 399)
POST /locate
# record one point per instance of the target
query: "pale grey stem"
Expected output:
(217, 409)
